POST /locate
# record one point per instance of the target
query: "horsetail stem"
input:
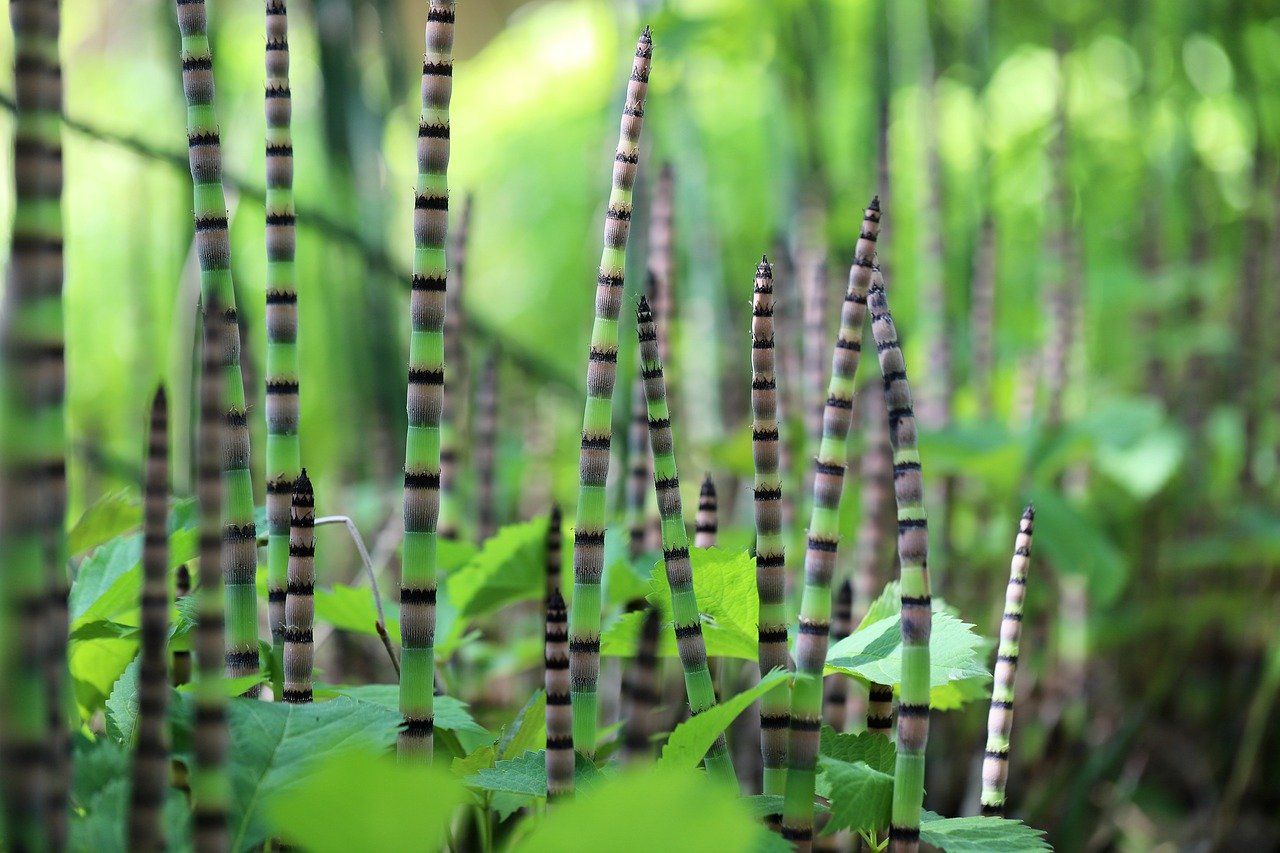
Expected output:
(597, 417)
(210, 785)
(487, 446)
(638, 470)
(706, 522)
(917, 609)
(835, 696)
(453, 417)
(766, 445)
(995, 763)
(300, 605)
(662, 253)
(640, 691)
(814, 307)
(180, 667)
(880, 709)
(555, 550)
(425, 393)
(873, 545)
(559, 710)
(213, 249)
(151, 756)
(675, 543)
(824, 539)
(282, 406)
(792, 385)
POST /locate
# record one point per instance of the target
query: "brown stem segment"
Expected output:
(299, 607)
(559, 711)
(706, 522)
(640, 692)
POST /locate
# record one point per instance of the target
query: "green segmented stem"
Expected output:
(213, 249)
(835, 690)
(425, 394)
(453, 418)
(706, 522)
(486, 448)
(766, 447)
(300, 604)
(995, 762)
(555, 550)
(180, 667)
(675, 544)
(913, 550)
(597, 416)
(824, 538)
(640, 692)
(787, 348)
(873, 551)
(559, 709)
(282, 404)
(880, 709)
(151, 756)
(638, 472)
(210, 784)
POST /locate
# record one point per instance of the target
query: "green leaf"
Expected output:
(511, 566)
(361, 800)
(109, 516)
(980, 834)
(861, 796)
(122, 706)
(231, 687)
(874, 750)
(889, 603)
(1077, 544)
(101, 795)
(351, 608)
(528, 731)
(109, 581)
(527, 774)
(450, 714)
(691, 739)
(763, 805)
(479, 759)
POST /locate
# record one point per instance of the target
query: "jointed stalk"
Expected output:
(597, 417)
(917, 609)
(638, 473)
(675, 544)
(425, 396)
(213, 250)
(995, 764)
(300, 605)
(559, 711)
(640, 692)
(835, 696)
(453, 418)
(706, 522)
(555, 549)
(486, 447)
(180, 667)
(662, 257)
(151, 757)
(824, 538)
(282, 406)
(874, 547)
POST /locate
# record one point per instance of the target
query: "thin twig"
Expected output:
(381, 623)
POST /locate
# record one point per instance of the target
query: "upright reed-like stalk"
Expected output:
(824, 539)
(180, 668)
(835, 696)
(210, 785)
(874, 549)
(453, 419)
(213, 249)
(640, 692)
(995, 764)
(283, 455)
(555, 550)
(917, 608)
(425, 396)
(300, 606)
(559, 709)
(151, 756)
(788, 398)
(486, 447)
(597, 417)
(706, 522)
(638, 472)
(675, 543)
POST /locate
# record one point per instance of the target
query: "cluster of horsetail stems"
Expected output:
(486, 447)
(917, 607)
(282, 407)
(770, 547)
(559, 710)
(823, 541)
(640, 691)
(555, 549)
(151, 756)
(425, 394)
(213, 250)
(835, 690)
(995, 762)
(638, 470)
(675, 544)
(300, 606)
(210, 785)
(706, 522)
(597, 417)
(455, 379)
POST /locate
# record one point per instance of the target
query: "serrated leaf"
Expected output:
(689, 742)
(479, 759)
(122, 706)
(511, 566)
(887, 604)
(861, 796)
(528, 731)
(980, 834)
(874, 750)
(451, 714)
(108, 516)
(527, 774)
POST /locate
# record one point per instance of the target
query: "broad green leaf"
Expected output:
(101, 795)
(511, 566)
(450, 714)
(954, 695)
(122, 706)
(528, 731)
(481, 758)
(231, 687)
(110, 515)
(874, 750)
(362, 800)
(861, 796)
(980, 834)
(109, 581)
(95, 666)
(1077, 544)
(527, 774)
(887, 604)
(689, 742)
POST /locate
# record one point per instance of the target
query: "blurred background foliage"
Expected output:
(1112, 169)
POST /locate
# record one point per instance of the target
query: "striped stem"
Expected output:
(425, 393)
(555, 550)
(835, 695)
(640, 692)
(638, 473)
(874, 546)
(213, 249)
(675, 544)
(706, 521)
(282, 407)
(559, 710)
(453, 418)
(487, 447)
(597, 417)
(880, 709)
(995, 763)
(210, 785)
(151, 757)
(300, 605)
(917, 610)
(180, 667)
(824, 539)
(766, 448)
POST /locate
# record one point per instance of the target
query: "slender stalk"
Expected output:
(180, 666)
(787, 347)
(835, 696)
(555, 550)
(880, 709)
(300, 605)
(597, 417)
(210, 785)
(995, 762)
(213, 249)
(638, 472)
(151, 757)
(874, 547)
(559, 710)
(640, 691)
(675, 544)
(425, 395)
(824, 539)
(917, 609)
(706, 521)
(766, 448)
(487, 447)
(453, 419)
(282, 406)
